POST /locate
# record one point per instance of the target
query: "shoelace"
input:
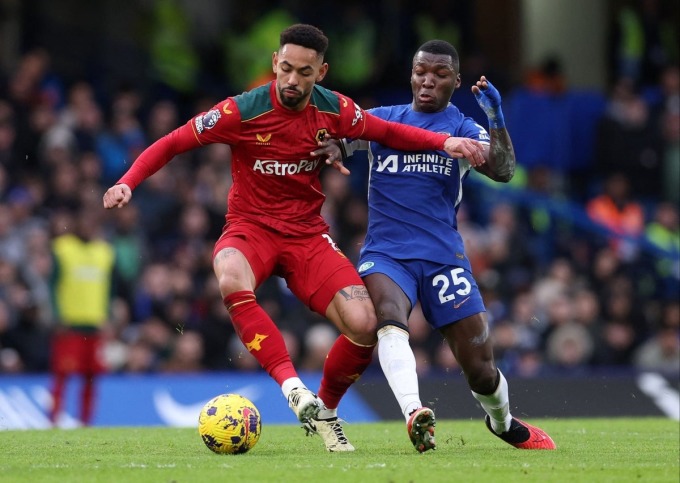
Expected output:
(337, 429)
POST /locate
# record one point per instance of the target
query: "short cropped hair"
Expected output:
(441, 47)
(305, 35)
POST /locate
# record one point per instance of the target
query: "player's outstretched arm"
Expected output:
(117, 196)
(148, 162)
(500, 157)
(410, 138)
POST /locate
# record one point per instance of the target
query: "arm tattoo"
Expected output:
(357, 292)
(501, 155)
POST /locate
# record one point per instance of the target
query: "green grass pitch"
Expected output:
(589, 450)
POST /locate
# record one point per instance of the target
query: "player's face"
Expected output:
(433, 80)
(297, 69)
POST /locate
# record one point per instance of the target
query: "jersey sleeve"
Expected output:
(158, 155)
(221, 124)
(356, 123)
(471, 129)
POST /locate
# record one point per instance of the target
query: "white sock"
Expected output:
(497, 405)
(399, 366)
(290, 384)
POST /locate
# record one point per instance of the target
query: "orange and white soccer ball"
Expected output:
(229, 424)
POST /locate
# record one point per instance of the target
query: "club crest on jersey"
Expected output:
(321, 134)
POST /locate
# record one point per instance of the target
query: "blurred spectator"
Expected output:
(627, 141)
(668, 120)
(33, 83)
(587, 310)
(548, 77)
(318, 341)
(140, 358)
(556, 284)
(618, 212)
(120, 146)
(82, 280)
(163, 118)
(569, 348)
(507, 250)
(664, 232)
(186, 354)
(660, 353)
(129, 242)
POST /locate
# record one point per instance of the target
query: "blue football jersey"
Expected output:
(413, 197)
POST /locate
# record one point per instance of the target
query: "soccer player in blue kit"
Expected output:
(413, 251)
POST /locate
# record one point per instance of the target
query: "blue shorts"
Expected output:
(447, 293)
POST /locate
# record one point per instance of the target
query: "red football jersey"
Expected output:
(275, 179)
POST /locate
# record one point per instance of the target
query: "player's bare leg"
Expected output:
(470, 343)
(353, 314)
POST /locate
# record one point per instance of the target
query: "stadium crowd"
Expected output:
(576, 275)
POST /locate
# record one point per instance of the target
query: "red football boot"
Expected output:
(524, 436)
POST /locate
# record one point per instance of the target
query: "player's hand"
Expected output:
(117, 196)
(330, 148)
(467, 148)
(488, 97)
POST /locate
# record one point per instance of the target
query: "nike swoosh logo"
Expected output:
(455, 306)
(177, 414)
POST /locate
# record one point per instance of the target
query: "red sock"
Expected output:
(57, 396)
(87, 400)
(260, 335)
(345, 363)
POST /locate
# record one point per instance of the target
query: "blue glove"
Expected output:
(489, 100)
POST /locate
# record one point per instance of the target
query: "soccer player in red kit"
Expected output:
(274, 224)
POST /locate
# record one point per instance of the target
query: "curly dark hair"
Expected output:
(305, 35)
(441, 47)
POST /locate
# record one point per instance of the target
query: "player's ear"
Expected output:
(322, 72)
(275, 61)
(457, 80)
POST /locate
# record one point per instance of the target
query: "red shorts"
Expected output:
(314, 267)
(76, 352)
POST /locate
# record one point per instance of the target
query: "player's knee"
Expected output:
(361, 326)
(228, 284)
(390, 310)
